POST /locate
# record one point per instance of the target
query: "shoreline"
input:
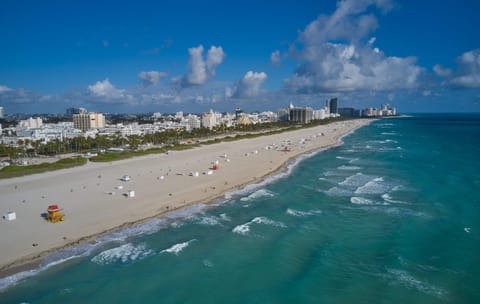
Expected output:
(34, 260)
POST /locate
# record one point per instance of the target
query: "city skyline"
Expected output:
(189, 56)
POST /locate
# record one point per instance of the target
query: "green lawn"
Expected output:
(15, 171)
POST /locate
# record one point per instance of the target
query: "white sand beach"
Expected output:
(94, 204)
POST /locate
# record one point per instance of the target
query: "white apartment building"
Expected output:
(31, 123)
(209, 120)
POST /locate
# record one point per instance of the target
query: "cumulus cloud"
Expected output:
(105, 91)
(275, 57)
(215, 57)
(441, 71)
(200, 68)
(151, 77)
(249, 85)
(4, 89)
(467, 74)
(335, 54)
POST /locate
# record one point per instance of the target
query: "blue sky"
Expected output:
(166, 56)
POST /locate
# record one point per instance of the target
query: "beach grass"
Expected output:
(16, 171)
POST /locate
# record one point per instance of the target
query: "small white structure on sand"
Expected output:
(125, 178)
(119, 187)
(228, 160)
(10, 216)
(209, 172)
(131, 193)
(162, 177)
(255, 152)
(194, 174)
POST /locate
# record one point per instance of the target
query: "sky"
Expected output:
(191, 56)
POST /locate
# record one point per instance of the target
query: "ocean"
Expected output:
(392, 215)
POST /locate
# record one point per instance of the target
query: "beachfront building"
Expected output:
(1, 112)
(320, 114)
(243, 120)
(387, 110)
(332, 105)
(191, 122)
(301, 115)
(30, 123)
(88, 121)
(209, 120)
(282, 114)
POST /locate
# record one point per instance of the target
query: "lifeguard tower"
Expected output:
(55, 214)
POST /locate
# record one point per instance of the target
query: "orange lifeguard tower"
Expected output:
(55, 214)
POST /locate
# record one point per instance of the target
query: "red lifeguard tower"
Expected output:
(55, 214)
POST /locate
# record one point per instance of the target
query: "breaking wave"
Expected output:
(258, 194)
(177, 248)
(299, 213)
(245, 228)
(124, 254)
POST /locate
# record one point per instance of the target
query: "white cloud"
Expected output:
(468, 72)
(199, 67)
(151, 77)
(215, 56)
(4, 89)
(351, 62)
(105, 89)
(198, 73)
(441, 71)
(275, 57)
(249, 85)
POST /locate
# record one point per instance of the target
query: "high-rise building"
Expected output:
(1, 112)
(71, 111)
(238, 113)
(332, 105)
(282, 114)
(88, 121)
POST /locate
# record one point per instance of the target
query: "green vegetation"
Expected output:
(170, 140)
(15, 171)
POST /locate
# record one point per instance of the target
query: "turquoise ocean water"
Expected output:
(390, 216)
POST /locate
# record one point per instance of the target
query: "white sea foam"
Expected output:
(375, 186)
(389, 133)
(386, 197)
(299, 213)
(14, 279)
(258, 194)
(349, 168)
(124, 254)
(245, 228)
(177, 248)
(242, 229)
(356, 180)
(361, 200)
(208, 220)
(225, 217)
(266, 221)
(404, 278)
(336, 191)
